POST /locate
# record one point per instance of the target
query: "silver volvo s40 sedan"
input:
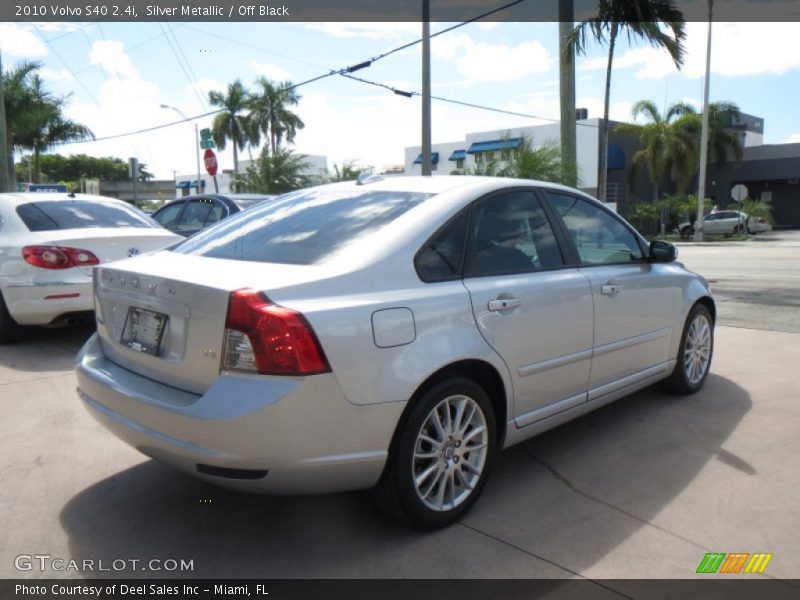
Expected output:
(391, 333)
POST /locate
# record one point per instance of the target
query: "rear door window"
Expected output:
(168, 215)
(199, 212)
(54, 215)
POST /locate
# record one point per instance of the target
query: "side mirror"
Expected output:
(663, 252)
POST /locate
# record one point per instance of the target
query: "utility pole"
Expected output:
(566, 73)
(426, 87)
(699, 234)
(4, 175)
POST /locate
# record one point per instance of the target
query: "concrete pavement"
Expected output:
(642, 488)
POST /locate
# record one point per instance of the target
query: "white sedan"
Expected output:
(727, 222)
(49, 244)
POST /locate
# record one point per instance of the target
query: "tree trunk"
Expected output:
(235, 159)
(566, 17)
(602, 169)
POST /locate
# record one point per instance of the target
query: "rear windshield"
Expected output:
(52, 215)
(301, 228)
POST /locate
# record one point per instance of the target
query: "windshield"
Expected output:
(53, 215)
(302, 227)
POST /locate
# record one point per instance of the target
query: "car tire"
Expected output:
(9, 329)
(441, 455)
(695, 352)
(738, 229)
(686, 233)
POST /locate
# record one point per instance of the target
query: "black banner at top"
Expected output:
(361, 10)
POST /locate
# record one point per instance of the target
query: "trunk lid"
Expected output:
(177, 304)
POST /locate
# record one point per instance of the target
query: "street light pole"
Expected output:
(196, 144)
(699, 234)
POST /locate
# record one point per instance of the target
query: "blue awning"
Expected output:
(434, 159)
(189, 184)
(509, 144)
(616, 157)
(458, 155)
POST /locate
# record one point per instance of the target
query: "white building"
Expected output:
(481, 147)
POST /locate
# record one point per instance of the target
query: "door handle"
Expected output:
(610, 289)
(503, 304)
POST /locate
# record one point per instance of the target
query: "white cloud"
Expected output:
(370, 31)
(110, 55)
(482, 62)
(205, 85)
(16, 40)
(794, 138)
(270, 71)
(49, 74)
(58, 27)
(738, 49)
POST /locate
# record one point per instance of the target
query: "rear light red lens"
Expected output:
(279, 341)
(762, 220)
(58, 257)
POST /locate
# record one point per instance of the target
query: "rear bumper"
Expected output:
(302, 431)
(40, 303)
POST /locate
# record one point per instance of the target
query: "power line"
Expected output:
(410, 94)
(195, 83)
(448, 29)
(61, 58)
(180, 63)
(345, 72)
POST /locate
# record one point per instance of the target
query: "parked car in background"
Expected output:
(390, 333)
(727, 222)
(188, 215)
(49, 244)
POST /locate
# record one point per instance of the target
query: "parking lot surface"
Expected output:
(642, 488)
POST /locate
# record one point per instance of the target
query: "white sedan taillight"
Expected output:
(265, 338)
(58, 257)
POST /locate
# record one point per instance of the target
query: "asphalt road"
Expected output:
(756, 283)
(642, 488)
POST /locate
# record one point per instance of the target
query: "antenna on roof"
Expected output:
(368, 177)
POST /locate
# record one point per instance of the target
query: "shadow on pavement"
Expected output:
(570, 495)
(45, 348)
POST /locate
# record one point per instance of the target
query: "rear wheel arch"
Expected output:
(479, 371)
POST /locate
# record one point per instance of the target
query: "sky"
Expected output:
(116, 76)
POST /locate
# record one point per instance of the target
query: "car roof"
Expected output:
(440, 184)
(17, 198)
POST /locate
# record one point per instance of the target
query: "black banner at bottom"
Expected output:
(397, 589)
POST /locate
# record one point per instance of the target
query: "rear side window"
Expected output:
(303, 227)
(440, 259)
(51, 215)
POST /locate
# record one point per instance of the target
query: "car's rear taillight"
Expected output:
(58, 257)
(262, 337)
(762, 220)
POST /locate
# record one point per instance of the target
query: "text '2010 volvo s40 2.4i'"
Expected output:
(389, 334)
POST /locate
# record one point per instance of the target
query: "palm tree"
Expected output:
(667, 144)
(20, 107)
(233, 122)
(35, 116)
(49, 127)
(271, 113)
(723, 141)
(276, 173)
(640, 19)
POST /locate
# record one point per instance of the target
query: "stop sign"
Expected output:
(210, 160)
